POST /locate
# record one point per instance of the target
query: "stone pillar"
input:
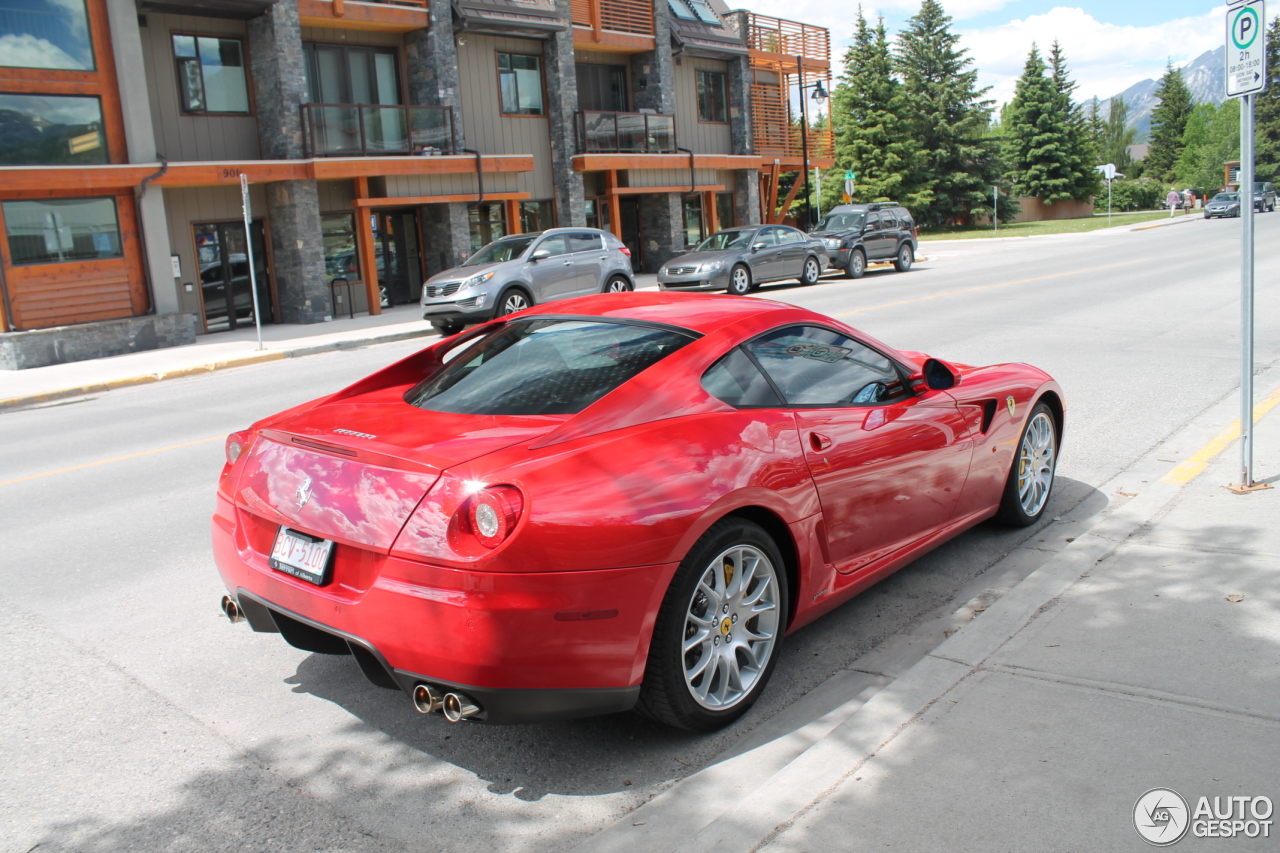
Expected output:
(432, 58)
(447, 234)
(746, 182)
(653, 72)
(662, 224)
(140, 140)
(297, 252)
(562, 112)
(280, 84)
(746, 196)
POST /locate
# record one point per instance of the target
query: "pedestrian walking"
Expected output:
(1188, 200)
(1173, 201)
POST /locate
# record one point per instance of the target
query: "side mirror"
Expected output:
(541, 254)
(938, 375)
(755, 247)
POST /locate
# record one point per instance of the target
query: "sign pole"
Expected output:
(1246, 291)
(995, 208)
(248, 249)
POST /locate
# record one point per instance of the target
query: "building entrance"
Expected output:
(399, 256)
(225, 292)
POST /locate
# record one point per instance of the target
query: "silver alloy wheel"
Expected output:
(811, 271)
(618, 285)
(857, 264)
(740, 280)
(514, 302)
(731, 627)
(1036, 460)
(905, 257)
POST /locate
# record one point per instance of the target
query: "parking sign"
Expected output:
(1246, 48)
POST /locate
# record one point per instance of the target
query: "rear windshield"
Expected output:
(500, 251)
(544, 367)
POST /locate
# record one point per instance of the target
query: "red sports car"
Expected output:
(614, 502)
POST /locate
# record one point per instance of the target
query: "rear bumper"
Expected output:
(527, 646)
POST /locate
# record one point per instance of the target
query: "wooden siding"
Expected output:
(673, 177)
(486, 129)
(187, 137)
(183, 208)
(702, 137)
(420, 185)
(336, 196)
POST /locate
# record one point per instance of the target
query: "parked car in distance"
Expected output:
(856, 234)
(1264, 196)
(741, 259)
(1222, 205)
(521, 270)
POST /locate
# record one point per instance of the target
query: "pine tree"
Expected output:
(1080, 156)
(1266, 115)
(1168, 122)
(1037, 139)
(1097, 129)
(872, 139)
(1118, 138)
(948, 118)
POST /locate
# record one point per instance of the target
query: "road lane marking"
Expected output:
(1192, 467)
(113, 459)
(991, 287)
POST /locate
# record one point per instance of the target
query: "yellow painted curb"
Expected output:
(1195, 465)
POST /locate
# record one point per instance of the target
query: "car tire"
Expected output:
(710, 591)
(618, 284)
(811, 271)
(447, 328)
(906, 257)
(511, 301)
(740, 283)
(857, 266)
(1026, 496)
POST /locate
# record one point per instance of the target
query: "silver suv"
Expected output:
(510, 274)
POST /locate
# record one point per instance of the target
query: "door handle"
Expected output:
(818, 441)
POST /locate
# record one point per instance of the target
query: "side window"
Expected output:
(520, 84)
(813, 366)
(873, 222)
(737, 381)
(584, 242)
(555, 245)
(768, 236)
(790, 235)
(889, 222)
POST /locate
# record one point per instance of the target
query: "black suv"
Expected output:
(856, 234)
(1264, 196)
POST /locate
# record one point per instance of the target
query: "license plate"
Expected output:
(303, 556)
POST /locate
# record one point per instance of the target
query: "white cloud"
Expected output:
(27, 51)
(1105, 59)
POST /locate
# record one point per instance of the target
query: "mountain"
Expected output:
(1206, 78)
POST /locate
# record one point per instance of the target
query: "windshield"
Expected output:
(842, 222)
(501, 250)
(722, 240)
(1259, 187)
(1226, 197)
(544, 367)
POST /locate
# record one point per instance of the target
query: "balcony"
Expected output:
(372, 130)
(626, 133)
(777, 40)
(385, 15)
(625, 25)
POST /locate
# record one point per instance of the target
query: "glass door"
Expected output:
(629, 210)
(225, 291)
(395, 242)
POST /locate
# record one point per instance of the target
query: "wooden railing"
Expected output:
(373, 130)
(619, 16)
(788, 38)
(774, 129)
(629, 133)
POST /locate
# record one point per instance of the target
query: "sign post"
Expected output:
(1246, 45)
(248, 249)
(995, 208)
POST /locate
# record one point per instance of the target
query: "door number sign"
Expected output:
(1246, 48)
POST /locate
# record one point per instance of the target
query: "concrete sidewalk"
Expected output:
(1124, 663)
(218, 352)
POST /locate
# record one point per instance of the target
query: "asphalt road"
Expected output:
(134, 716)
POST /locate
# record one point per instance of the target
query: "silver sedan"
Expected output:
(740, 259)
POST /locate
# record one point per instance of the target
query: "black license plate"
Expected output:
(301, 555)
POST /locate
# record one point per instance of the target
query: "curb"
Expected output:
(1167, 222)
(208, 367)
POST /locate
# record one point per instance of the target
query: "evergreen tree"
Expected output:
(1211, 138)
(1168, 122)
(1097, 129)
(1037, 139)
(1266, 115)
(1118, 137)
(1081, 155)
(949, 120)
(872, 138)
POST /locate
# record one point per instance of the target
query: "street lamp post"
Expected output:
(819, 95)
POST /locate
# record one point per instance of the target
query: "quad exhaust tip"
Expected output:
(458, 707)
(231, 609)
(455, 706)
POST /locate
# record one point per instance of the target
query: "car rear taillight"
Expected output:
(491, 514)
(624, 250)
(237, 442)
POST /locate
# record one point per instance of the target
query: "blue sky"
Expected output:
(1109, 44)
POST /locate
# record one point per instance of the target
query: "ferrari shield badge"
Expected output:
(1008, 401)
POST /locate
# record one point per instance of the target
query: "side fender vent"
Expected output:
(988, 414)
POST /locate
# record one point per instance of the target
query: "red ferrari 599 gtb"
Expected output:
(614, 502)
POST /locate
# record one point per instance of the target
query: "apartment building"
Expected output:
(380, 142)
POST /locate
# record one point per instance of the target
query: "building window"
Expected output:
(211, 75)
(726, 216)
(46, 34)
(352, 74)
(338, 234)
(597, 213)
(51, 130)
(693, 220)
(713, 96)
(488, 223)
(520, 82)
(602, 87)
(537, 216)
(65, 229)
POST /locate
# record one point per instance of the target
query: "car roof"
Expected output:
(699, 312)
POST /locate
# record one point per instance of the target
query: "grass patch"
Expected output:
(1031, 229)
